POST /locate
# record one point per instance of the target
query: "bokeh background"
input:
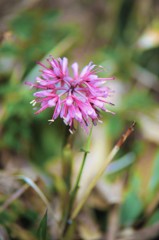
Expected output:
(123, 37)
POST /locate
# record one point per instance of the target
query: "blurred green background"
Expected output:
(123, 37)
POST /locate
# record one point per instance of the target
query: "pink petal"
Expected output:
(64, 65)
(75, 69)
(57, 110)
(69, 101)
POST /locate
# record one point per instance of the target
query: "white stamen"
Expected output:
(100, 121)
(33, 102)
(51, 120)
(70, 131)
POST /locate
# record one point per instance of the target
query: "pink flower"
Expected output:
(78, 98)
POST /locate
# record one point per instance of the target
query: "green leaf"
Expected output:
(115, 126)
(24, 25)
(121, 163)
(50, 18)
(32, 184)
(138, 100)
(42, 230)
(153, 219)
(124, 16)
(154, 182)
(131, 209)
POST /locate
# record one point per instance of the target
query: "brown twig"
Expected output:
(125, 135)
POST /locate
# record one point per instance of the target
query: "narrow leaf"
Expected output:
(32, 184)
(42, 230)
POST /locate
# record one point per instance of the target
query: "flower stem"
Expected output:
(76, 187)
(74, 191)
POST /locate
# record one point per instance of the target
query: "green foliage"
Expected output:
(42, 230)
(24, 25)
(131, 209)
(16, 210)
(149, 60)
(138, 100)
(154, 181)
(115, 126)
(154, 218)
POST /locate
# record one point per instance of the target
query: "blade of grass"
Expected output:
(102, 169)
(76, 187)
(42, 229)
(13, 197)
(33, 185)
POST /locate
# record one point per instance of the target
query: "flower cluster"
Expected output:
(74, 98)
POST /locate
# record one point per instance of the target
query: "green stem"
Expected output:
(93, 182)
(66, 164)
(73, 195)
(76, 187)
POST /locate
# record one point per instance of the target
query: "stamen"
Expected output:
(70, 131)
(33, 102)
(51, 120)
(100, 121)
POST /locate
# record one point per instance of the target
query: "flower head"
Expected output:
(74, 98)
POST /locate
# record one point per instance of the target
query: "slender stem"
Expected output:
(93, 182)
(76, 186)
(73, 195)
(102, 169)
(66, 164)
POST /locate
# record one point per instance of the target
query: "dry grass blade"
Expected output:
(32, 184)
(102, 169)
(13, 197)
